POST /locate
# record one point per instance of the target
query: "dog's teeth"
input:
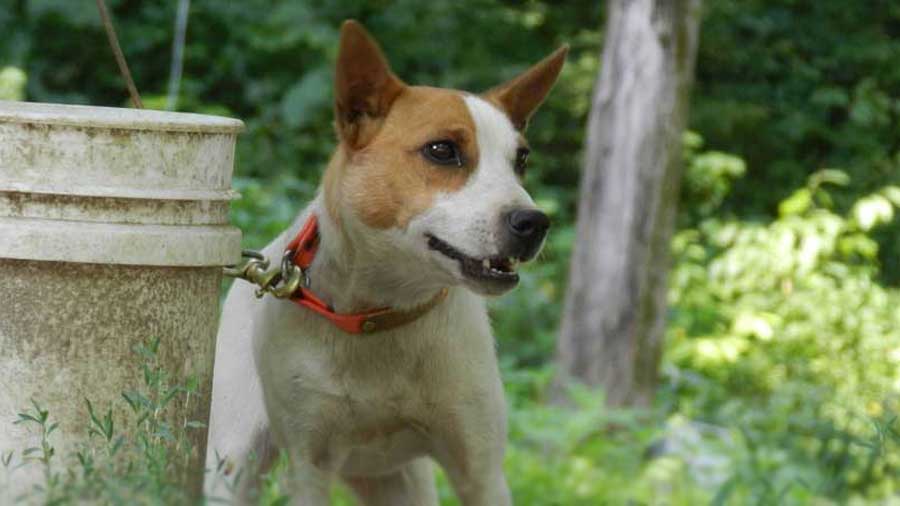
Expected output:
(486, 263)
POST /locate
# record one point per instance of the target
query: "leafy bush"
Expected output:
(793, 86)
(588, 454)
(781, 329)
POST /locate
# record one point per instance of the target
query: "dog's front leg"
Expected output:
(308, 484)
(470, 443)
(474, 465)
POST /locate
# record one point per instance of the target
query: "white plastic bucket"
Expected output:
(113, 230)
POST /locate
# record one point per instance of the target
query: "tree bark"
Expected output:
(614, 316)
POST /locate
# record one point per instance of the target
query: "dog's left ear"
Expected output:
(364, 86)
(522, 95)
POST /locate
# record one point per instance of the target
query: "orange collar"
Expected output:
(303, 250)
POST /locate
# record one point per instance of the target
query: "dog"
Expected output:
(386, 361)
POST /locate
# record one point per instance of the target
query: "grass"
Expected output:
(582, 455)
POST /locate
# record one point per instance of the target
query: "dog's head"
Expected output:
(434, 176)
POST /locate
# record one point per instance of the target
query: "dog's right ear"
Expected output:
(364, 86)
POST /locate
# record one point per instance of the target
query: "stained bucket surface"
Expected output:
(113, 231)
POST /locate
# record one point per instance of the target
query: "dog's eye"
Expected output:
(521, 161)
(443, 153)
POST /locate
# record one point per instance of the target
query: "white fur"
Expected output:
(470, 218)
(368, 409)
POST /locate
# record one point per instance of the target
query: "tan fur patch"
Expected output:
(331, 181)
(388, 182)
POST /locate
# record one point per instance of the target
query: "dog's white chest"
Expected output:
(383, 447)
(371, 402)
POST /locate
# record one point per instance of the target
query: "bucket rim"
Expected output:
(89, 116)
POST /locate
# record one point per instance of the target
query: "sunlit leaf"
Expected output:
(797, 203)
(872, 210)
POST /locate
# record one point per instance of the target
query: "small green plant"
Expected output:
(139, 458)
(43, 454)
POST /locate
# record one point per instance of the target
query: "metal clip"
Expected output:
(249, 260)
(281, 281)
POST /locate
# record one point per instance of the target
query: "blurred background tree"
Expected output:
(779, 380)
(614, 320)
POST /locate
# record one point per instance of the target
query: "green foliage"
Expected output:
(783, 334)
(781, 329)
(139, 459)
(708, 178)
(270, 63)
(587, 454)
(793, 86)
(12, 83)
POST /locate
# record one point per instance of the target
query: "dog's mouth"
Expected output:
(494, 269)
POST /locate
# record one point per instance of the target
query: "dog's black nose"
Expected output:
(527, 227)
(529, 224)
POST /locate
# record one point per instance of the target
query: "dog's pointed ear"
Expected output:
(364, 86)
(522, 95)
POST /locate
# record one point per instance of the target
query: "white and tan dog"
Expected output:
(421, 211)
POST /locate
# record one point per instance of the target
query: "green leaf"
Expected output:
(25, 417)
(892, 193)
(281, 501)
(169, 396)
(872, 210)
(830, 96)
(191, 384)
(798, 203)
(836, 177)
(12, 83)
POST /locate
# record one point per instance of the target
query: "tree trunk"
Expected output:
(615, 307)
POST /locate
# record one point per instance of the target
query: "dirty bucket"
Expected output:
(113, 231)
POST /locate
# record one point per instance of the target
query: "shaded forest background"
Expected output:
(780, 376)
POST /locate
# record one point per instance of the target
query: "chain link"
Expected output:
(282, 281)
